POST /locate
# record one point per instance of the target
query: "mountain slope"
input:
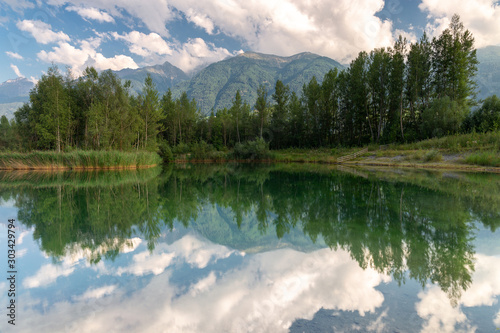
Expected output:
(164, 76)
(488, 74)
(216, 85)
(17, 90)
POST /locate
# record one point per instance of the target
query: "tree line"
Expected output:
(409, 92)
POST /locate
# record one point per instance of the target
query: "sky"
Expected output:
(117, 34)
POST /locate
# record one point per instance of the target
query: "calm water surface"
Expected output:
(253, 249)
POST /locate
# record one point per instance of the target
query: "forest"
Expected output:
(410, 92)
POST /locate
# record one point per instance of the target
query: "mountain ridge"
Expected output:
(215, 86)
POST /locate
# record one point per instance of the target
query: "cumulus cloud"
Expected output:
(267, 292)
(143, 44)
(282, 27)
(440, 316)
(481, 17)
(91, 13)
(16, 70)
(14, 55)
(86, 55)
(196, 53)
(96, 293)
(153, 13)
(287, 27)
(42, 31)
(46, 275)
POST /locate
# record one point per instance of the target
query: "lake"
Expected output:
(252, 248)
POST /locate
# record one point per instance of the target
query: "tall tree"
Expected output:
(262, 106)
(418, 86)
(236, 112)
(280, 115)
(150, 113)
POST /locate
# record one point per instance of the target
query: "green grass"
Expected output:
(484, 158)
(457, 143)
(79, 159)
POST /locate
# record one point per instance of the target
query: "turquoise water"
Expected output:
(241, 248)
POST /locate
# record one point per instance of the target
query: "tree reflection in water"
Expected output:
(419, 223)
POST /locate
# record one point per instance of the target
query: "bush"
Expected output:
(252, 150)
(165, 152)
(442, 117)
(180, 149)
(433, 156)
(202, 151)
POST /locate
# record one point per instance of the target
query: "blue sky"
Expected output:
(120, 34)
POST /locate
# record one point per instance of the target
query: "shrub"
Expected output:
(165, 152)
(181, 148)
(433, 156)
(252, 150)
(202, 151)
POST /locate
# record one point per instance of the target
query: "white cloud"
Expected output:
(42, 31)
(481, 17)
(486, 286)
(16, 70)
(18, 5)
(496, 321)
(267, 292)
(91, 13)
(146, 263)
(204, 284)
(86, 55)
(287, 27)
(14, 55)
(153, 13)
(439, 315)
(46, 275)
(145, 45)
(282, 27)
(96, 293)
(196, 53)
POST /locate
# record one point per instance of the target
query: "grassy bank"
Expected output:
(475, 152)
(79, 159)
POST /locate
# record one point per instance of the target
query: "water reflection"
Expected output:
(415, 226)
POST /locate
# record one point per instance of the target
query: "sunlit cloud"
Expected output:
(14, 55)
(91, 13)
(42, 32)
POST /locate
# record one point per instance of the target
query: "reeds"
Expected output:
(78, 159)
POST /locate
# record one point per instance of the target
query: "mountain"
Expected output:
(215, 86)
(16, 90)
(13, 93)
(488, 74)
(164, 76)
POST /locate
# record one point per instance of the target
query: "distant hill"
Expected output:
(488, 74)
(215, 86)
(164, 76)
(16, 90)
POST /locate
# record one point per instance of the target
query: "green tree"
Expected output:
(487, 117)
(50, 111)
(262, 106)
(236, 112)
(418, 86)
(455, 63)
(280, 115)
(150, 114)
